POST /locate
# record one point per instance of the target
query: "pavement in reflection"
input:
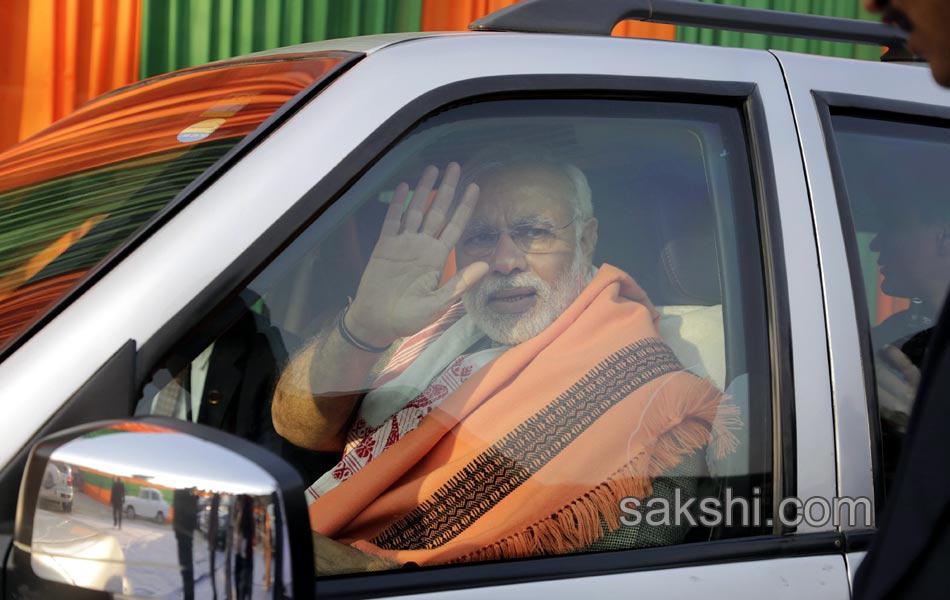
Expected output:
(150, 548)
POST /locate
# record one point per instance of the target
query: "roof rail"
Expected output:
(599, 17)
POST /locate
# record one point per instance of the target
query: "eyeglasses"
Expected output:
(533, 238)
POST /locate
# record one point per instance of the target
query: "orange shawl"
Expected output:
(531, 453)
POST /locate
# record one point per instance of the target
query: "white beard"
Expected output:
(552, 299)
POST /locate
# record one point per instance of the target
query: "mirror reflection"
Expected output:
(145, 511)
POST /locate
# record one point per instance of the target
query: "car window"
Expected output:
(82, 187)
(609, 356)
(896, 179)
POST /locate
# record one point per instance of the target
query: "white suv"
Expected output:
(169, 247)
(57, 488)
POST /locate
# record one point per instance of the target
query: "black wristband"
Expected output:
(355, 341)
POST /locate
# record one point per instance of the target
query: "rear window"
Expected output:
(77, 190)
(896, 180)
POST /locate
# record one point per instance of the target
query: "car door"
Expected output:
(693, 160)
(875, 141)
(672, 158)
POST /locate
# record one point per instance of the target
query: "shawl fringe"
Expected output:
(580, 523)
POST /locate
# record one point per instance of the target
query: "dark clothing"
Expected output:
(911, 551)
(118, 493)
(118, 502)
(915, 346)
(185, 523)
(892, 438)
(186, 511)
(903, 331)
(186, 560)
(244, 555)
(215, 508)
(245, 364)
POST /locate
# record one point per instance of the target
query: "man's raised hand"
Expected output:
(399, 292)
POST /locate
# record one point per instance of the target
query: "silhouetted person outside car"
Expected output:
(118, 501)
(185, 522)
(911, 551)
(244, 553)
(215, 508)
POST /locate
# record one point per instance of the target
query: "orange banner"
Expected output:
(58, 54)
(887, 305)
(439, 15)
(160, 118)
(229, 100)
(636, 29)
(97, 493)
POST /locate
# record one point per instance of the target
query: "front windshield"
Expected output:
(76, 191)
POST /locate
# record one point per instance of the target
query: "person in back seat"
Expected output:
(909, 555)
(510, 424)
(913, 246)
(229, 384)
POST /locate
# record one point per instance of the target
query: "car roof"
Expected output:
(826, 28)
(366, 44)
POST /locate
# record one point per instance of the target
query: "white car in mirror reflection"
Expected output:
(57, 486)
(148, 504)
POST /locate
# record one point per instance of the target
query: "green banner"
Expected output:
(830, 8)
(184, 33)
(131, 488)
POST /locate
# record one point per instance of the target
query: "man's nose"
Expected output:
(508, 257)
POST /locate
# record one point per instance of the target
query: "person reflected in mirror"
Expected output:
(503, 425)
(268, 550)
(185, 522)
(277, 527)
(117, 499)
(214, 508)
(244, 553)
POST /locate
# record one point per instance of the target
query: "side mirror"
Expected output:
(219, 517)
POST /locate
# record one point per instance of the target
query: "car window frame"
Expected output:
(193, 320)
(827, 105)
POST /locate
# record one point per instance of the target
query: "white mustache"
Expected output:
(552, 298)
(501, 283)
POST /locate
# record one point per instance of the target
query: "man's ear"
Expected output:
(588, 239)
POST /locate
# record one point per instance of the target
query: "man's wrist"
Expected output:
(357, 338)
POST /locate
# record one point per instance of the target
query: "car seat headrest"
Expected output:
(688, 261)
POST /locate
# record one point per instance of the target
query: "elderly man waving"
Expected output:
(509, 424)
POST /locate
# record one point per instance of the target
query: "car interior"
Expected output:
(663, 193)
